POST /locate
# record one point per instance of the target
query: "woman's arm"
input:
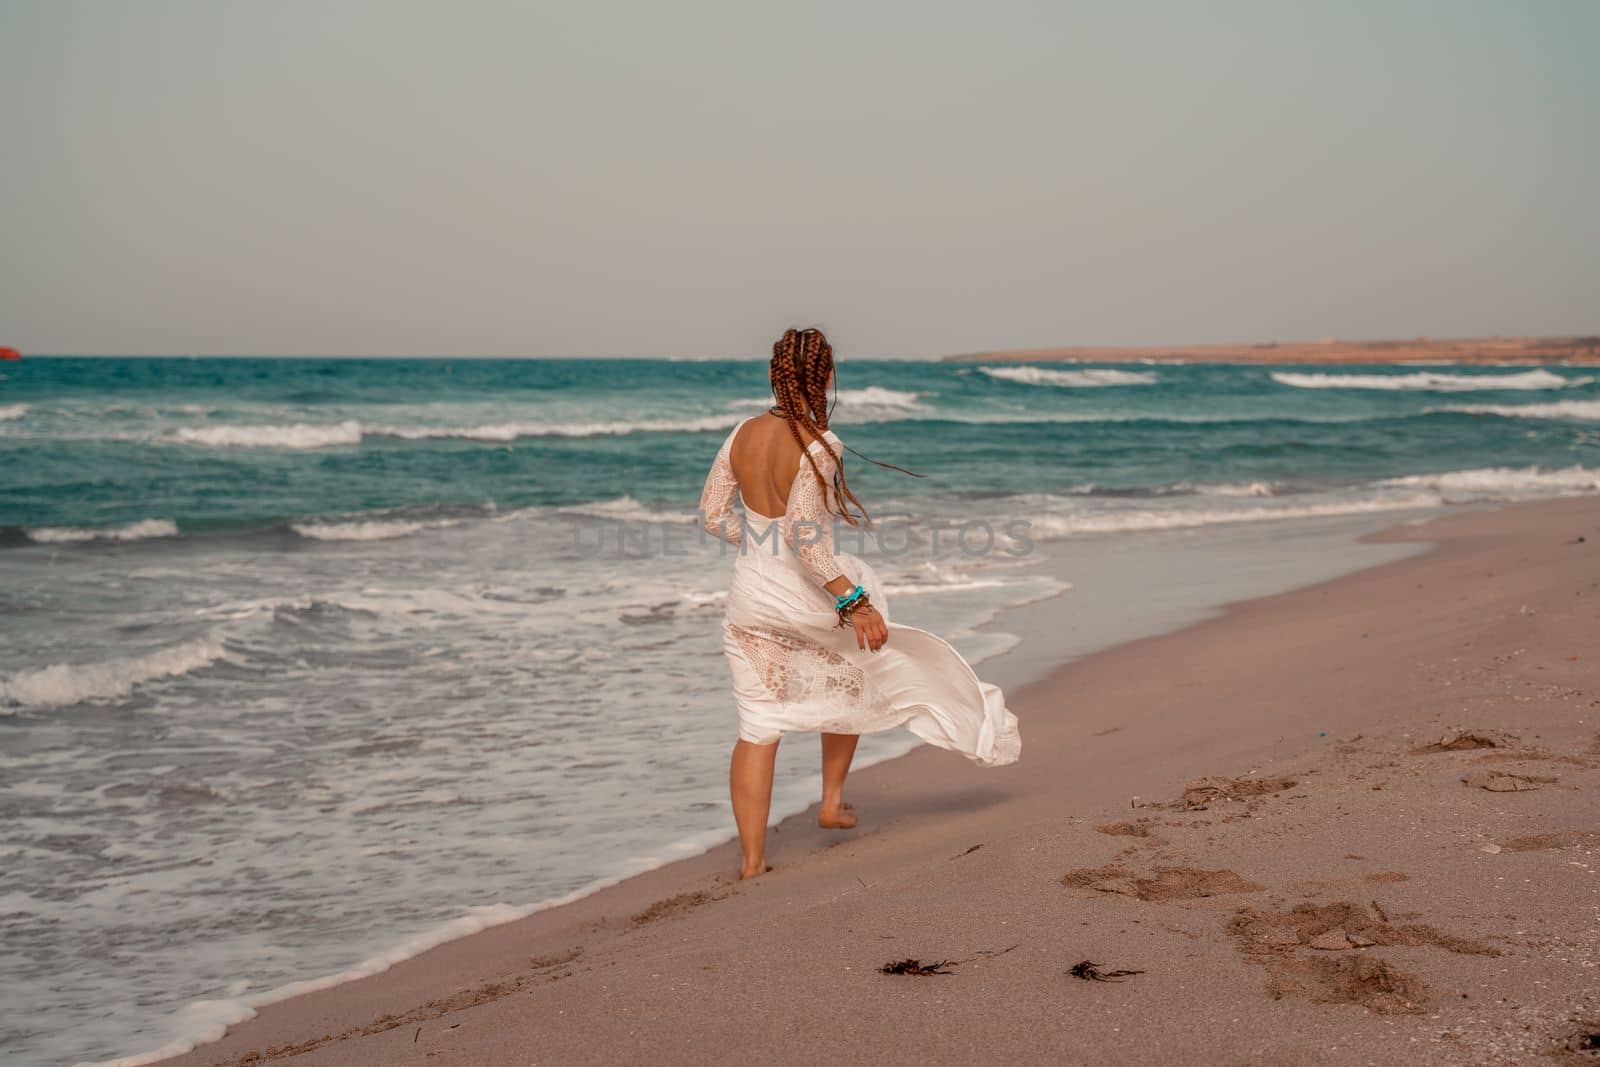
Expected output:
(871, 629)
(808, 527)
(716, 500)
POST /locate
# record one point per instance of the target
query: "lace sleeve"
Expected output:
(717, 516)
(808, 524)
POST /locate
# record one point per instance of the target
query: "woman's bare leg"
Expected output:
(750, 785)
(837, 752)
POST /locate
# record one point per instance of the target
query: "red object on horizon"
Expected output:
(9, 353)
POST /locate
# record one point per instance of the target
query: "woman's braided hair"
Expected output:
(802, 362)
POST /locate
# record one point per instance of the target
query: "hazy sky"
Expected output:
(686, 178)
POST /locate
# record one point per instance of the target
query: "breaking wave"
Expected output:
(627, 509)
(300, 435)
(511, 431)
(1503, 480)
(133, 531)
(1434, 380)
(1583, 410)
(1081, 379)
(65, 684)
(878, 396)
(366, 530)
(1052, 526)
(1425, 491)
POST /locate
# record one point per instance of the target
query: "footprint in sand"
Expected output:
(1551, 841)
(544, 963)
(1332, 927)
(1273, 939)
(1165, 883)
(1506, 782)
(1374, 984)
(1201, 793)
(1139, 828)
(1464, 740)
(673, 905)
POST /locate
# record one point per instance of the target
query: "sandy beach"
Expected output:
(1352, 823)
(421, 431)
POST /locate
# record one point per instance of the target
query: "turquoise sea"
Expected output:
(220, 446)
(306, 664)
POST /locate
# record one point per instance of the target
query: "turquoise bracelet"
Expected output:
(842, 602)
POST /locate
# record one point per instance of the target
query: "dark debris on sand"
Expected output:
(1585, 1042)
(1090, 971)
(917, 967)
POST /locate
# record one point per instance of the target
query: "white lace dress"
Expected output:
(795, 669)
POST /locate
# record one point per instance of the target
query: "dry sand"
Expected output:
(1354, 823)
(1418, 349)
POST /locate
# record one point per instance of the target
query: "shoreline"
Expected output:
(1016, 667)
(604, 912)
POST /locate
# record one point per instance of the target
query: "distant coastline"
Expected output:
(1581, 349)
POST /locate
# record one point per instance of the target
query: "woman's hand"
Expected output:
(871, 631)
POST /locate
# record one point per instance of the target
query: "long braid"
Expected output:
(802, 362)
(786, 376)
(819, 367)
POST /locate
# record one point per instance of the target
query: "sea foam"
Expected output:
(627, 509)
(1492, 480)
(874, 403)
(1051, 526)
(12, 411)
(878, 396)
(1256, 488)
(366, 530)
(511, 431)
(299, 435)
(64, 684)
(133, 531)
(1581, 410)
(1080, 379)
(203, 1021)
(1434, 380)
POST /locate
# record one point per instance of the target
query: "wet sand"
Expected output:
(1355, 823)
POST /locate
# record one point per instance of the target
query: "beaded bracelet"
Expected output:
(845, 600)
(855, 605)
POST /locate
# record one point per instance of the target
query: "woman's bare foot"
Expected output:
(754, 870)
(841, 818)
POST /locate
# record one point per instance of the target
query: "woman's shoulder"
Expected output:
(779, 428)
(828, 435)
(778, 435)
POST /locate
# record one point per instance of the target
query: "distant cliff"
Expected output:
(1470, 350)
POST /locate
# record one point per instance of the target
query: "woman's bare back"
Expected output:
(765, 458)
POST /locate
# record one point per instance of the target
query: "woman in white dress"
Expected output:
(807, 631)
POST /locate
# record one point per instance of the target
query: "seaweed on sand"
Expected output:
(917, 967)
(1090, 971)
